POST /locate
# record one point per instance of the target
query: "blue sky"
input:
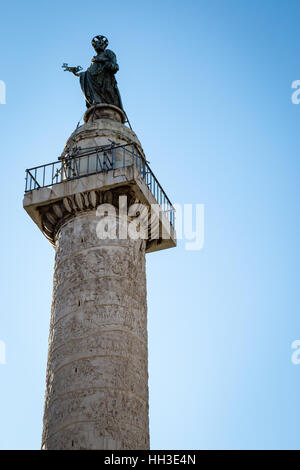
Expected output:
(207, 88)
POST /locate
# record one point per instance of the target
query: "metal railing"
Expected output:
(98, 160)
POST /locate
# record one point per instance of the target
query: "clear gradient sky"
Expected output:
(207, 87)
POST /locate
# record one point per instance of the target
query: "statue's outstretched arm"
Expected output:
(73, 70)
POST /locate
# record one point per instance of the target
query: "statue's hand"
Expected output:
(113, 67)
(73, 70)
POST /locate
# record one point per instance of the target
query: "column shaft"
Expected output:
(97, 373)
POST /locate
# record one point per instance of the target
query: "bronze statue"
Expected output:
(98, 82)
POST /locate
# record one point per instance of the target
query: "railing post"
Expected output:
(135, 156)
(26, 181)
(113, 158)
(97, 162)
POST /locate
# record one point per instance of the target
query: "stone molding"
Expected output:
(54, 215)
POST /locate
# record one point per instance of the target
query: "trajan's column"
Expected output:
(93, 205)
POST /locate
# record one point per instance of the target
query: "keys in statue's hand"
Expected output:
(74, 70)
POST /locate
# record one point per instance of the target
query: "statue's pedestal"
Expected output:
(104, 111)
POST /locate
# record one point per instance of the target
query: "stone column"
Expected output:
(97, 377)
(97, 373)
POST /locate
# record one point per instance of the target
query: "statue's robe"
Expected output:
(98, 83)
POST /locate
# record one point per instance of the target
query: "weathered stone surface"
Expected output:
(104, 111)
(102, 132)
(97, 373)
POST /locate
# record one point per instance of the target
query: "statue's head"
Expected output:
(99, 43)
